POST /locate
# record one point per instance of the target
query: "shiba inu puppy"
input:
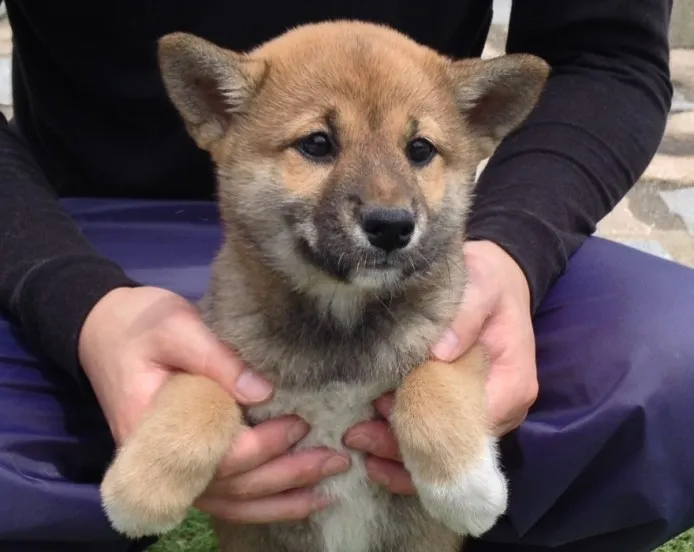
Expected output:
(345, 155)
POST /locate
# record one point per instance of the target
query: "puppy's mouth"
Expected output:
(353, 254)
(352, 264)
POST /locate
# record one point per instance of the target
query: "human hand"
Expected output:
(134, 338)
(495, 312)
(131, 342)
(259, 481)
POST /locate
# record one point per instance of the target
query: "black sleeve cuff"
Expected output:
(538, 248)
(58, 297)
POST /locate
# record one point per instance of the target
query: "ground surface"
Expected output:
(657, 216)
(194, 536)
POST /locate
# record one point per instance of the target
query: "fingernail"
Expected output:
(335, 464)
(252, 387)
(379, 477)
(320, 502)
(297, 432)
(445, 348)
(359, 441)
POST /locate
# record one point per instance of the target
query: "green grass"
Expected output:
(195, 536)
(683, 543)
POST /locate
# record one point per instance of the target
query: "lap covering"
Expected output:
(604, 461)
(54, 442)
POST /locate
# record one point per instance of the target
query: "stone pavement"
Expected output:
(657, 216)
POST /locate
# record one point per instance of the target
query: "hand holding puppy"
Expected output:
(135, 339)
(495, 312)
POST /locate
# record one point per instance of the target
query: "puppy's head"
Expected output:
(346, 152)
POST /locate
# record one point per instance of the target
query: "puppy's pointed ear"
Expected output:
(207, 84)
(496, 95)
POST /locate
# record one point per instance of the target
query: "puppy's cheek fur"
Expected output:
(439, 420)
(432, 181)
(171, 457)
(301, 178)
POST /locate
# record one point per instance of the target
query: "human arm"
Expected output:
(593, 133)
(50, 275)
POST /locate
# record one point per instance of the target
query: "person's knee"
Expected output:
(651, 339)
(606, 448)
(628, 312)
(645, 343)
(616, 349)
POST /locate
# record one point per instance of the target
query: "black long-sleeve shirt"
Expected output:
(92, 119)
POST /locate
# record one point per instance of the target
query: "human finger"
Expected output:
(257, 445)
(290, 471)
(375, 437)
(183, 342)
(510, 394)
(466, 326)
(393, 476)
(292, 505)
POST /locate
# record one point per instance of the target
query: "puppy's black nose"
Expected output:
(387, 229)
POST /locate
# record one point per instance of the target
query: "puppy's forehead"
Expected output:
(376, 71)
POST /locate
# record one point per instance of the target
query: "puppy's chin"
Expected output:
(309, 273)
(355, 269)
(317, 278)
(376, 279)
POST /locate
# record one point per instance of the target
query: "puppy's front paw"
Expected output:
(171, 458)
(471, 501)
(147, 490)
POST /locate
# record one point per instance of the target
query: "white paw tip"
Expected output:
(136, 526)
(474, 502)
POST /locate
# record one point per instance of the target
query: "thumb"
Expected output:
(466, 327)
(191, 346)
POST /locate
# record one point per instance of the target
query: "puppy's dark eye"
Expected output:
(317, 147)
(420, 151)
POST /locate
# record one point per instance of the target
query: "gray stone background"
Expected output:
(657, 216)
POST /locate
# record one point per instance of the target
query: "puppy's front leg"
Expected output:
(446, 443)
(171, 457)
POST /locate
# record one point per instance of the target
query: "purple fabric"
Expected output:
(604, 462)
